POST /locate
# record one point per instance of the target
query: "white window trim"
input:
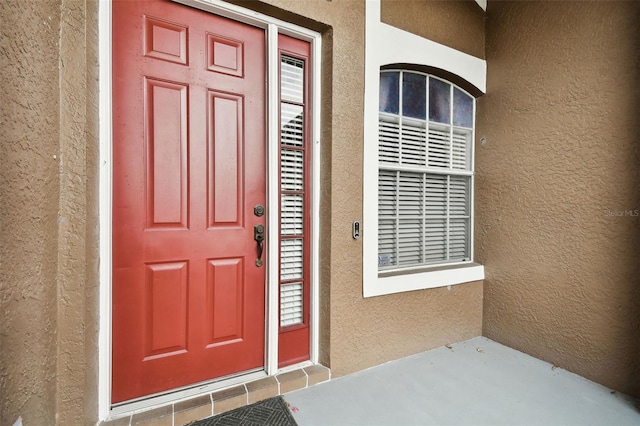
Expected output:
(272, 27)
(386, 45)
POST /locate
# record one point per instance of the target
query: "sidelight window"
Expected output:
(293, 194)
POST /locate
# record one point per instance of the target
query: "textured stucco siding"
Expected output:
(561, 124)
(48, 212)
(29, 191)
(77, 278)
(457, 24)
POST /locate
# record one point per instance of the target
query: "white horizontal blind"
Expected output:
(292, 79)
(422, 218)
(389, 141)
(292, 170)
(292, 219)
(435, 218)
(291, 304)
(424, 190)
(292, 191)
(291, 259)
(439, 151)
(291, 122)
(410, 207)
(461, 149)
(409, 143)
(387, 217)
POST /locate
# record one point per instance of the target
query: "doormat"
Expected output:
(270, 412)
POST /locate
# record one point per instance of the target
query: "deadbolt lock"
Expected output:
(258, 210)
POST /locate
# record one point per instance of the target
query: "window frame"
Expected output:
(426, 170)
(384, 46)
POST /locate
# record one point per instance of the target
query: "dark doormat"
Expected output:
(270, 412)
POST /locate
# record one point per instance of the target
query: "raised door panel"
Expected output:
(226, 154)
(167, 147)
(225, 301)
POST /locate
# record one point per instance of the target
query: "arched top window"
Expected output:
(425, 171)
(422, 96)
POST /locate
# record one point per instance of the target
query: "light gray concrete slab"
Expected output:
(476, 382)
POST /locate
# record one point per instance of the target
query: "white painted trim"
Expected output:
(316, 54)
(423, 280)
(247, 16)
(104, 208)
(394, 46)
(386, 45)
(273, 26)
(473, 183)
(273, 200)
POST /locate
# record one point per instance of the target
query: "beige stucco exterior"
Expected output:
(49, 212)
(560, 122)
(457, 24)
(29, 220)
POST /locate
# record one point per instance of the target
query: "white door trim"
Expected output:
(272, 27)
(104, 199)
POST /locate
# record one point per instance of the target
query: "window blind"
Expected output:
(291, 304)
(425, 175)
(292, 191)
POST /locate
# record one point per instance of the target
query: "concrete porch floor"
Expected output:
(476, 382)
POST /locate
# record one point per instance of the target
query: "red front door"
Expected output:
(189, 168)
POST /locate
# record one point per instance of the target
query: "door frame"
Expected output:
(272, 28)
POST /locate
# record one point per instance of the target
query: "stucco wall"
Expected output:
(457, 24)
(48, 212)
(78, 262)
(561, 124)
(29, 188)
(357, 332)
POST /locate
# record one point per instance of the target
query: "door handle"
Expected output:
(258, 235)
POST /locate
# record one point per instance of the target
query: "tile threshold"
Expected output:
(212, 403)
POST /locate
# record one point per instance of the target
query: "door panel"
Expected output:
(189, 166)
(167, 171)
(225, 294)
(225, 142)
(166, 309)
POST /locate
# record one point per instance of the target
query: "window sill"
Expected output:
(398, 282)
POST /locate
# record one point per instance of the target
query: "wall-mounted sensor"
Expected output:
(356, 230)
